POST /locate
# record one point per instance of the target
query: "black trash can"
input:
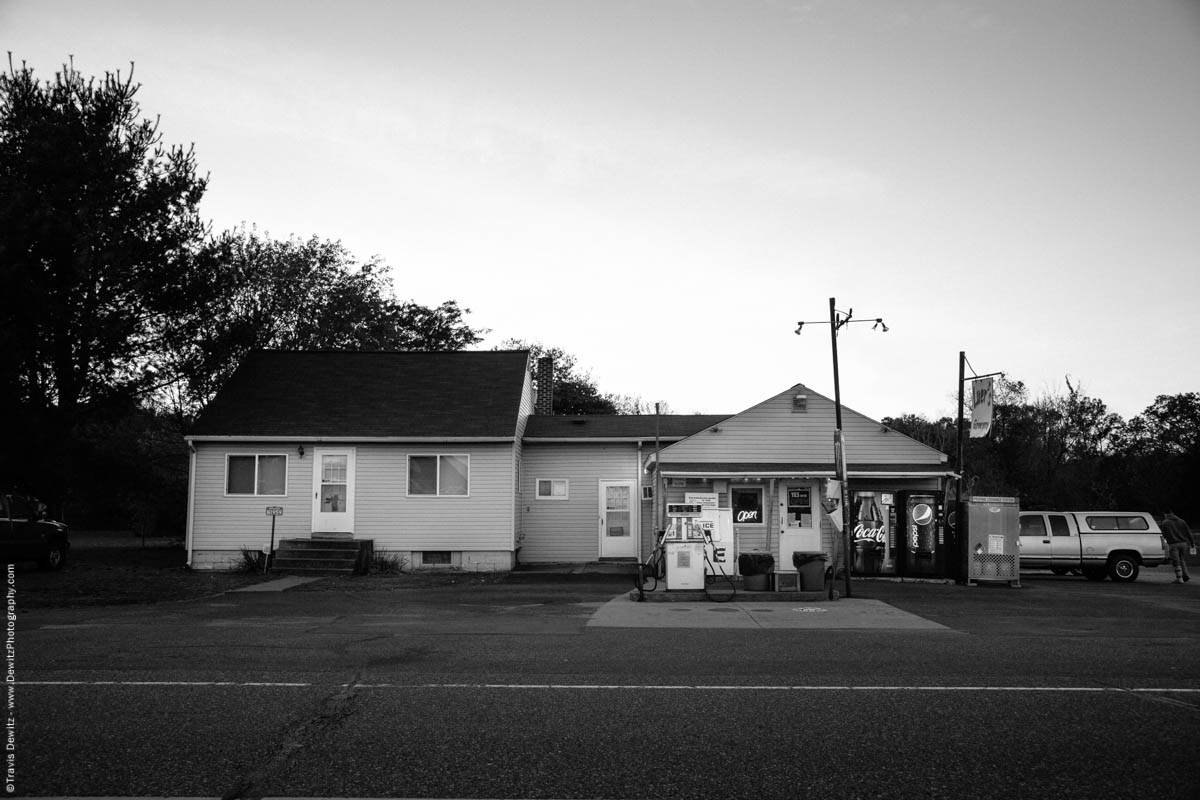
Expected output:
(756, 569)
(756, 563)
(811, 570)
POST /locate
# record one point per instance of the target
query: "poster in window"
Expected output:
(799, 507)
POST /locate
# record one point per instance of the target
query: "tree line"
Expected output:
(1066, 451)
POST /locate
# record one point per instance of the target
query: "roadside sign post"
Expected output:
(272, 512)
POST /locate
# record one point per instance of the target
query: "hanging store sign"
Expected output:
(982, 401)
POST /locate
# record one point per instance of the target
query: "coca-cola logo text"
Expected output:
(864, 534)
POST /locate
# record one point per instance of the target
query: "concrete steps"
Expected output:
(322, 556)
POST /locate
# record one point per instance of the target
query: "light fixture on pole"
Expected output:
(838, 320)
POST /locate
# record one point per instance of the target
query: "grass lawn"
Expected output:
(111, 568)
(118, 568)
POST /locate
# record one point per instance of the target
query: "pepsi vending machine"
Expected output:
(924, 550)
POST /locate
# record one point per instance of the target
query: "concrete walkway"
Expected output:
(277, 585)
(843, 614)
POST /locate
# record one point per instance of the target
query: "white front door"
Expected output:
(333, 490)
(618, 519)
(799, 521)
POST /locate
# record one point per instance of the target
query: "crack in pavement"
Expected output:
(333, 710)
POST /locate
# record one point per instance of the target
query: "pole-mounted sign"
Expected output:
(272, 512)
(982, 400)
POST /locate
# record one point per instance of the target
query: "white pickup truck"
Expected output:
(1097, 543)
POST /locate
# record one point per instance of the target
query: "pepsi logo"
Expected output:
(922, 514)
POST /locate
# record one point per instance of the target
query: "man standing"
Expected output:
(1179, 541)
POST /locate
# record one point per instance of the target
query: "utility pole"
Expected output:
(836, 323)
(959, 542)
(839, 444)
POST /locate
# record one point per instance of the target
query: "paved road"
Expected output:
(1061, 688)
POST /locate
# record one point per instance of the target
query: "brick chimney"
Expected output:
(543, 375)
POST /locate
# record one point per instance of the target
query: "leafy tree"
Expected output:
(941, 434)
(634, 404)
(574, 390)
(99, 229)
(1171, 424)
(298, 295)
(98, 219)
(1159, 456)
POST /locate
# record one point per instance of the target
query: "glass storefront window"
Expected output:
(747, 504)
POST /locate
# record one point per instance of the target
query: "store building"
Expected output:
(772, 465)
(454, 460)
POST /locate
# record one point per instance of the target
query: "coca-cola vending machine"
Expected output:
(921, 521)
(873, 534)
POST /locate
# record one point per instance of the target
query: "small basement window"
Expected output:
(553, 489)
(435, 558)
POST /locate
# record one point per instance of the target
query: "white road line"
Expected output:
(160, 683)
(628, 687)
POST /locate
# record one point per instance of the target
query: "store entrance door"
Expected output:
(799, 521)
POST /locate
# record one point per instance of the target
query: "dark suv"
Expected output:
(28, 534)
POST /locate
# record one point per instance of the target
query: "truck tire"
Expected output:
(1095, 573)
(55, 557)
(1123, 567)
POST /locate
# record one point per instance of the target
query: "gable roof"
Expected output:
(370, 395)
(617, 427)
(776, 437)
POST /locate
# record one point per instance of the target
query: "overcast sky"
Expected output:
(664, 188)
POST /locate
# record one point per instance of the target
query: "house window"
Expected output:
(436, 558)
(439, 476)
(553, 489)
(747, 506)
(256, 475)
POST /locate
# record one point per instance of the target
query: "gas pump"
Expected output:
(684, 543)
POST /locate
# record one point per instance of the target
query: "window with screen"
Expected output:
(553, 489)
(439, 476)
(258, 475)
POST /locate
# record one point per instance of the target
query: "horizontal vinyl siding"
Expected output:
(773, 433)
(382, 511)
(569, 530)
(235, 522)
